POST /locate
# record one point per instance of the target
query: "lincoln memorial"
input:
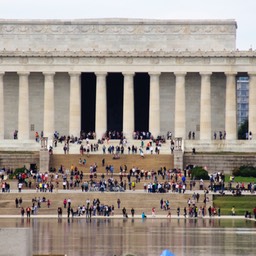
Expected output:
(124, 75)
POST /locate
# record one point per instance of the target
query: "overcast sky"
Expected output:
(243, 11)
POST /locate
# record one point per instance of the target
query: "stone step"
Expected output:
(139, 201)
(147, 163)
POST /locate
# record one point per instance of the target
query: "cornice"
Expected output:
(118, 21)
(129, 54)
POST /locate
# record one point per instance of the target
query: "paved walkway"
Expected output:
(187, 192)
(160, 216)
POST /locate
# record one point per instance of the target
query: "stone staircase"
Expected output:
(150, 162)
(217, 162)
(140, 201)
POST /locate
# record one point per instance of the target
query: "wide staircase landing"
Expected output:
(140, 201)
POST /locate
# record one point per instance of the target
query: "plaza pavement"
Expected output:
(136, 216)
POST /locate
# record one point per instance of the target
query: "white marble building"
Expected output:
(190, 67)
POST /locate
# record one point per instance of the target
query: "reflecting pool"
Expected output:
(137, 237)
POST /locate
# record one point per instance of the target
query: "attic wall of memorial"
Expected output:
(117, 34)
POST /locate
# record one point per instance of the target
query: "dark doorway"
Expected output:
(88, 102)
(115, 89)
(141, 101)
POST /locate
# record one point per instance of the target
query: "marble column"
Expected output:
(205, 107)
(231, 105)
(252, 105)
(101, 104)
(1, 105)
(23, 112)
(154, 105)
(75, 104)
(128, 106)
(49, 104)
(180, 106)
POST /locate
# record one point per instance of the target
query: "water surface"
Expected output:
(150, 237)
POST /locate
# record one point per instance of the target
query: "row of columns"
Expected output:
(128, 105)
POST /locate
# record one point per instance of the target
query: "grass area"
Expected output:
(240, 179)
(241, 203)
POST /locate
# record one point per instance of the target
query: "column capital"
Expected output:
(49, 73)
(74, 73)
(154, 73)
(230, 73)
(101, 73)
(205, 73)
(23, 73)
(180, 73)
(128, 73)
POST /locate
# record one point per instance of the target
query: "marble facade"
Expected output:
(192, 68)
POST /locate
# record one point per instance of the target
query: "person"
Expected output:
(81, 150)
(254, 212)
(17, 202)
(20, 186)
(65, 203)
(141, 152)
(69, 211)
(20, 202)
(233, 211)
(178, 211)
(169, 214)
(153, 212)
(59, 212)
(143, 215)
(28, 211)
(132, 212)
(118, 203)
(185, 212)
(22, 211)
(48, 203)
(125, 215)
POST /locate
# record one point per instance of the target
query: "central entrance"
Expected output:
(114, 95)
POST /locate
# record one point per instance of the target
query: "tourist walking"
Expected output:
(20, 202)
(132, 212)
(22, 211)
(143, 215)
(154, 212)
(185, 212)
(178, 211)
(118, 203)
(233, 211)
(28, 211)
(59, 212)
(125, 215)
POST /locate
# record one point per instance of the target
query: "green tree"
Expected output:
(242, 130)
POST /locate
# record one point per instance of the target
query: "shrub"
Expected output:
(17, 171)
(198, 173)
(245, 171)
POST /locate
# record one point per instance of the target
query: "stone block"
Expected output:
(16, 241)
